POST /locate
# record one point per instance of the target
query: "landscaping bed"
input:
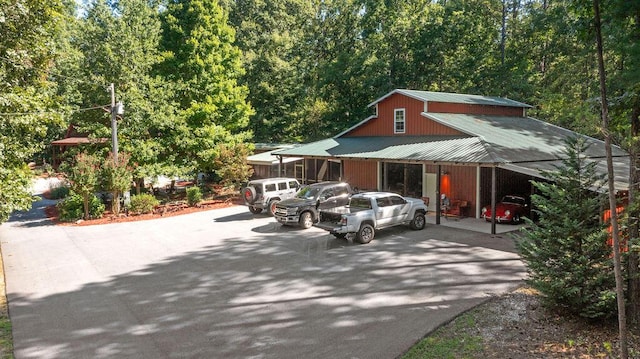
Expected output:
(174, 204)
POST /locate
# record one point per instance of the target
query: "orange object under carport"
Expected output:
(623, 237)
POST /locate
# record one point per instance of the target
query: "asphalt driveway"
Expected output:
(228, 284)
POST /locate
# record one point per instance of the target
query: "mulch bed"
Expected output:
(164, 210)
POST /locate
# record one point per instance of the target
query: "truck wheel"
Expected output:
(365, 234)
(272, 206)
(418, 221)
(306, 220)
(249, 194)
(255, 210)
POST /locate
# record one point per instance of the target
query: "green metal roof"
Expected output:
(620, 169)
(488, 139)
(455, 98)
(458, 149)
(268, 158)
(519, 139)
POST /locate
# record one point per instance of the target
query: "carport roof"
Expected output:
(535, 169)
(519, 139)
(458, 149)
(268, 158)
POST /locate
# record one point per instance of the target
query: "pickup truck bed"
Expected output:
(368, 212)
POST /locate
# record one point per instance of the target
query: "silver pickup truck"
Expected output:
(370, 211)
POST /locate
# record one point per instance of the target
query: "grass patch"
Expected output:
(449, 342)
(6, 338)
(6, 333)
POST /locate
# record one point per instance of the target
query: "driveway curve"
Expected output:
(228, 284)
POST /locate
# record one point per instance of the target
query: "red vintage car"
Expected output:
(510, 209)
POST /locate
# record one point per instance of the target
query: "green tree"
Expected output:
(204, 65)
(83, 177)
(117, 177)
(120, 44)
(27, 105)
(566, 250)
(270, 34)
(231, 163)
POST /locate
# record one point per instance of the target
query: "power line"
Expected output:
(52, 73)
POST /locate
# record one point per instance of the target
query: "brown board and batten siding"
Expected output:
(415, 124)
(445, 107)
(361, 174)
(462, 183)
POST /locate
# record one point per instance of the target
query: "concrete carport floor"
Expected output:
(226, 283)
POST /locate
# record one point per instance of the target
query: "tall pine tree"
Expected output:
(566, 250)
(204, 65)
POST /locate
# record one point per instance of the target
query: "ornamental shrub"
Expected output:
(83, 177)
(117, 177)
(143, 203)
(72, 207)
(59, 192)
(194, 195)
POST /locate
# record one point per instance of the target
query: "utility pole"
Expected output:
(114, 124)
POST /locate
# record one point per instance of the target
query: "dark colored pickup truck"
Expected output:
(303, 208)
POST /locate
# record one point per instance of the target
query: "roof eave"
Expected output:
(355, 126)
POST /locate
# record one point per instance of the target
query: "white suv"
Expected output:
(266, 193)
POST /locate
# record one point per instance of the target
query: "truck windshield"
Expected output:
(307, 193)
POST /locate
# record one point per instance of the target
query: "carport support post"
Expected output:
(493, 200)
(438, 194)
(280, 166)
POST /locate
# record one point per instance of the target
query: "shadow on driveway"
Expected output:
(278, 293)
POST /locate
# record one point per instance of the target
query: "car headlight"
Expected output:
(484, 210)
(292, 210)
(507, 212)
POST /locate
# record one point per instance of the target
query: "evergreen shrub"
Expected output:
(59, 192)
(194, 195)
(566, 250)
(72, 207)
(143, 203)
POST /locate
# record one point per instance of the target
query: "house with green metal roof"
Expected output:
(470, 148)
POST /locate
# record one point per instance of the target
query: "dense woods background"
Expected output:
(198, 74)
(193, 73)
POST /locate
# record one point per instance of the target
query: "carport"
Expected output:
(496, 155)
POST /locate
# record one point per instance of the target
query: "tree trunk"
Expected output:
(633, 289)
(633, 285)
(115, 203)
(85, 202)
(622, 325)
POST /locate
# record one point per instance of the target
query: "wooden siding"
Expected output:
(361, 174)
(463, 183)
(444, 107)
(415, 124)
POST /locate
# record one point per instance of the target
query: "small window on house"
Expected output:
(399, 120)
